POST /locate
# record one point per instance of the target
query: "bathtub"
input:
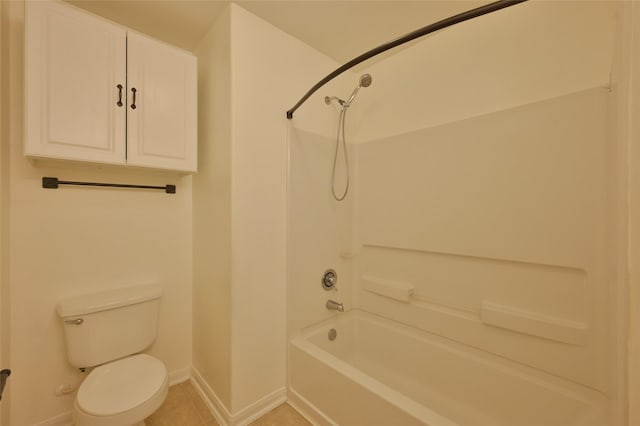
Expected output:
(378, 372)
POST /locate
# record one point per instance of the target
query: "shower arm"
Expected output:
(447, 22)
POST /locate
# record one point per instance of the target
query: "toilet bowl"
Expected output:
(108, 330)
(122, 392)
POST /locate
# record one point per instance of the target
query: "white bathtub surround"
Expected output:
(397, 290)
(500, 223)
(321, 231)
(394, 374)
(484, 214)
(489, 232)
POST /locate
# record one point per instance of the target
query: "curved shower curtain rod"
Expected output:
(447, 22)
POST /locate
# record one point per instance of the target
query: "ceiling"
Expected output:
(181, 23)
(343, 30)
(339, 29)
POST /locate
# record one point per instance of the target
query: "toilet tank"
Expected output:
(107, 325)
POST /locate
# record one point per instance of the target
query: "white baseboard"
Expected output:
(307, 409)
(64, 419)
(259, 408)
(244, 416)
(210, 398)
(179, 376)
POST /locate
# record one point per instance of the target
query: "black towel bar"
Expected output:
(53, 183)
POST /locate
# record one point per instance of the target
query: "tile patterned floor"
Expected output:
(184, 407)
(283, 415)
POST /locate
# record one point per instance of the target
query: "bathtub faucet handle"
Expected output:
(332, 305)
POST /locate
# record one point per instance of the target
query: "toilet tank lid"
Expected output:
(108, 299)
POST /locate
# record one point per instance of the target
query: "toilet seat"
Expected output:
(122, 392)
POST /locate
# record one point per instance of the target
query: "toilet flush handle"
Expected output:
(76, 321)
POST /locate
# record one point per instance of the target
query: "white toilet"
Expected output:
(108, 330)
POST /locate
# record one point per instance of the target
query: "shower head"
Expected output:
(365, 81)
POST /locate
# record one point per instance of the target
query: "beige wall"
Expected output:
(4, 210)
(629, 84)
(270, 70)
(212, 213)
(77, 240)
(523, 54)
(251, 73)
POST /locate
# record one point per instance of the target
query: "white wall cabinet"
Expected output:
(81, 73)
(165, 116)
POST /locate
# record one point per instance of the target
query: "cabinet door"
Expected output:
(73, 65)
(161, 125)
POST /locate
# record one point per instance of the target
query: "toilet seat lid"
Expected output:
(121, 385)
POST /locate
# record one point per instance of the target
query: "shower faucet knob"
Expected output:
(329, 279)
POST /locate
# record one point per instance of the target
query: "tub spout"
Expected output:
(335, 306)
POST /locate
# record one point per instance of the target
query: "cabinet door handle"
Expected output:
(133, 104)
(119, 103)
(4, 375)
